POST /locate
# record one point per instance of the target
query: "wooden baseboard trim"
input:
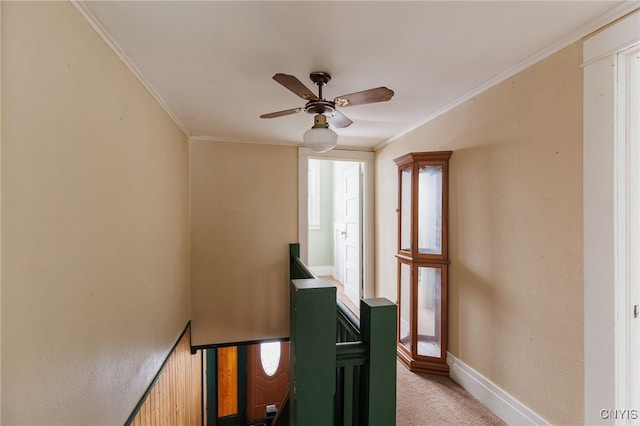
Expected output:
(496, 399)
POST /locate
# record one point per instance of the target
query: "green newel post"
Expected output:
(378, 329)
(313, 352)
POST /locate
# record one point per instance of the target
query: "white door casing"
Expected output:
(610, 186)
(367, 201)
(628, 234)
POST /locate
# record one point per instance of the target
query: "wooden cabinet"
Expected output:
(423, 260)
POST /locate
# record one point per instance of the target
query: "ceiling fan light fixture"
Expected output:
(320, 137)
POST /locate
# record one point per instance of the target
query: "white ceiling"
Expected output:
(210, 63)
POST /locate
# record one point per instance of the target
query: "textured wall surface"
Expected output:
(94, 224)
(244, 215)
(515, 283)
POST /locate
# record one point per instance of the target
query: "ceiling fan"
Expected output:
(320, 137)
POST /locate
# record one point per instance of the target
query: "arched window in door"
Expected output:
(270, 357)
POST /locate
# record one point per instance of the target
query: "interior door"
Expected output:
(267, 377)
(353, 228)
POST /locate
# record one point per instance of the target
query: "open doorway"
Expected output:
(335, 221)
(335, 225)
(247, 384)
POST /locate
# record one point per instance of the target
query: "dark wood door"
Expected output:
(267, 383)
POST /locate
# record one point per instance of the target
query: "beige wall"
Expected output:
(0, 212)
(516, 310)
(94, 224)
(244, 209)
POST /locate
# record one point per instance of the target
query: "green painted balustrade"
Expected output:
(343, 370)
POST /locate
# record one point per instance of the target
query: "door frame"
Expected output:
(210, 387)
(606, 309)
(368, 247)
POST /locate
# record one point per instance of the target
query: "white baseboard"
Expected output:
(321, 270)
(503, 405)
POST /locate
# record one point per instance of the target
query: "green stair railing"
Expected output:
(343, 369)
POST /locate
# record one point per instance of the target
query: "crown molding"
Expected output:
(350, 148)
(616, 13)
(235, 140)
(97, 26)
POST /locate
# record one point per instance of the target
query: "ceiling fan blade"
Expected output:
(340, 120)
(281, 113)
(379, 94)
(295, 85)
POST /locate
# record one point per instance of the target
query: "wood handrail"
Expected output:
(351, 321)
(304, 270)
(284, 403)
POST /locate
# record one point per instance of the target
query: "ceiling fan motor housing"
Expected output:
(320, 106)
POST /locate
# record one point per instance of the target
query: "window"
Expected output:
(270, 357)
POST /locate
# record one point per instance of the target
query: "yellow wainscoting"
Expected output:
(176, 397)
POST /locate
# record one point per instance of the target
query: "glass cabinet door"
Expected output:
(430, 209)
(429, 311)
(405, 209)
(404, 325)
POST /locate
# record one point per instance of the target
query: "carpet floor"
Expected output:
(425, 399)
